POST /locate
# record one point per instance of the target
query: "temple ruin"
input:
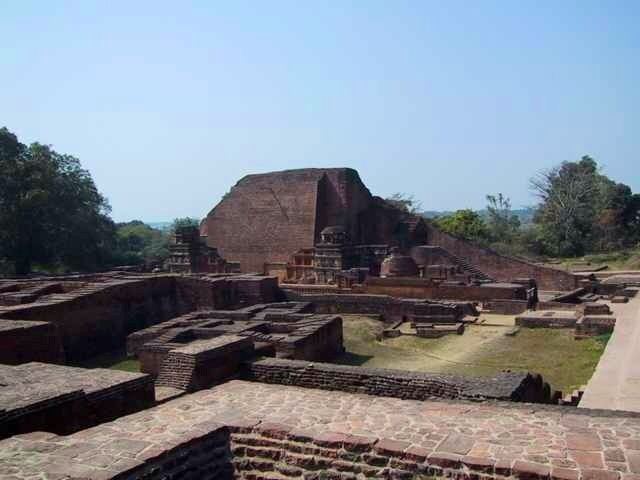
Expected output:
(235, 342)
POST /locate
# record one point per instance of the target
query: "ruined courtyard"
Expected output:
(308, 329)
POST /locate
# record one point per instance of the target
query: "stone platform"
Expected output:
(55, 398)
(275, 429)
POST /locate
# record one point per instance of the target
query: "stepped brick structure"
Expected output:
(323, 225)
(60, 399)
(266, 218)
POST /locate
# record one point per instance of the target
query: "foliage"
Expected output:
(465, 224)
(502, 225)
(184, 222)
(140, 243)
(404, 202)
(582, 210)
(50, 210)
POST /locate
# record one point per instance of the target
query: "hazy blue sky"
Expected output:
(168, 104)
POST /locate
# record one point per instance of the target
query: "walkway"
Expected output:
(527, 441)
(615, 384)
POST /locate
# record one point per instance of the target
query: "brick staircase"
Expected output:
(177, 371)
(466, 266)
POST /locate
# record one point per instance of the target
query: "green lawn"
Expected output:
(482, 350)
(116, 360)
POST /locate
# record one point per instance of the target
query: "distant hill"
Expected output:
(160, 225)
(524, 214)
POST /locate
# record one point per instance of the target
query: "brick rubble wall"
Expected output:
(398, 383)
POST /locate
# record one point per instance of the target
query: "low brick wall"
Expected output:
(28, 341)
(506, 307)
(423, 288)
(390, 309)
(513, 386)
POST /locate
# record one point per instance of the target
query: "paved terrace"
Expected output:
(616, 382)
(527, 441)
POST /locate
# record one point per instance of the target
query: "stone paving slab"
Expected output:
(528, 441)
(615, 384)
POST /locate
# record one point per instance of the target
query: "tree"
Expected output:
(184, 222)
(501, 224)
(404, 202)
(583, 210)
(50, 209)
(465, 224)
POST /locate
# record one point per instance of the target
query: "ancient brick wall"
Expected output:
(388, 308)
(506, 307)
(97, 317)
(24, 341)
(421, 288)
(513, 386)
(501, 267)
(265, 218)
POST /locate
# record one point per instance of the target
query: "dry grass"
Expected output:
(482, 350)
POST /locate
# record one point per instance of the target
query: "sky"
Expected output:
(169, 104)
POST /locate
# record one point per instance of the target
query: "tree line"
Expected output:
(580, 211)
(53, 217)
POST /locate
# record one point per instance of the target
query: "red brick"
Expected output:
(417, 454)
(359, 443)
(583, 441)
(445, 460)
(391, 447)
(564, 474)
(587, 459)
(530, 470)
(479, 464)
(599, 474)
(456, 443)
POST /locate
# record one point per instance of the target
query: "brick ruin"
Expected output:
(61, 399)
(236, 379)
(324, 226)
(252, 430)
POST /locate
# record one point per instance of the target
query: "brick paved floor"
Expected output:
(566, 443)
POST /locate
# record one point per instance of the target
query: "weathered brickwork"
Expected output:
(501, 267)
(513, 386)
(26, 341)
(388, 308)
(286, 329)
(55, 398)
(424, 288)
(288, 432)
(266, 218)
(97, 315)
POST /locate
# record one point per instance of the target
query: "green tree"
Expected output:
(50, 209)
(582, 210)
(502, 225)
(140, 243)
(184, 222)
(404, 202)
(465, 224)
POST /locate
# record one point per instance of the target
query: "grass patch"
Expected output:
(482, 350)
(116, 360)
(628, 259)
